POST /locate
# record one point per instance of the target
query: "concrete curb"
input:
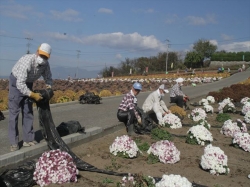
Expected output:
(27, 153)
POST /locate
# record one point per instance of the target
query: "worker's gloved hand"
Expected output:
(168, 112)
(185, 98)
(139, 121)
(36, 96)
(48, 86)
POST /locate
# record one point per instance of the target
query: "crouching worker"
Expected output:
(155, 105)
(176, 94)
(127, 112)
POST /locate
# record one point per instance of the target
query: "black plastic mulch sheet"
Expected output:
(53, 138)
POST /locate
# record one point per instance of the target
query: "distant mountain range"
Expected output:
(64, 73)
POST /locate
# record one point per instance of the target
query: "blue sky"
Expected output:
(106, 32)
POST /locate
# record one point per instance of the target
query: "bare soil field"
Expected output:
(97, 153)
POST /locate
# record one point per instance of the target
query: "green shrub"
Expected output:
(160, 134)
(152, 159)
(222, 117)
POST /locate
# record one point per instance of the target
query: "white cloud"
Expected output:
(226, 37)
(235, 47)
(105, 10)
(28, 34)
(214, 42)
(194, 20)
(150, 10)
(118, 56)
(147, 11)
(16, 11)
(67, 15)
(3, 32)
(57, 35)
(210, 18)
(171, 19)
(133, 41)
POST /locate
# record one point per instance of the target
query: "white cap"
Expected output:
(179, 80)
(44, 49)
(162, 87)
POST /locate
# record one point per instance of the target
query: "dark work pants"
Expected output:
(127, 117)
(178, 100)
(19, 102)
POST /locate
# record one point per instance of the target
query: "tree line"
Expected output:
(200, 56)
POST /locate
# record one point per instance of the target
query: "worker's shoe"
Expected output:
(28, 144)
(14, 147)
(131, 131)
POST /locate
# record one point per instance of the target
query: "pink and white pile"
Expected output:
(210, 99)
(173, 181)
(245, 100)
(200, 134)
(166, 151)
(173, 121)
(124, 144)
(55, 166)
(246, 108)
(206, 104)
(247, 117)
(197, 114)
(130, 180)
(242, 140)
(227, 105)
(208, 108)
(214, 160)
(203, 102)
(229, 127)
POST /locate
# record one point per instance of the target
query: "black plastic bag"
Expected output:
(20, 177)
(69, 127)
(89, 98)
(147, 123)
(1, 116)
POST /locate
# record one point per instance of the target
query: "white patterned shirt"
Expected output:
(27, 70)
(176, 91)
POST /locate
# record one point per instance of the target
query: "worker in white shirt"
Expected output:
(154, 104)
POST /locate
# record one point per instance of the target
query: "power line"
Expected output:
(78, 54)
(106, 53)
(28, 44)
(11, 36)
(167, 55)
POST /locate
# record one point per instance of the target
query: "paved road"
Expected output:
(104, 115)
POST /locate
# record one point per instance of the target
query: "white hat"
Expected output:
(162, 87)
(179, 80)
(44, 49)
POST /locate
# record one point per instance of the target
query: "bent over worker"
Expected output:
(127, 112)
(154, 104)
(28, 69)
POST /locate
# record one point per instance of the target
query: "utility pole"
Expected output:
(28, 44)
(78, 54)
(167, 57)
